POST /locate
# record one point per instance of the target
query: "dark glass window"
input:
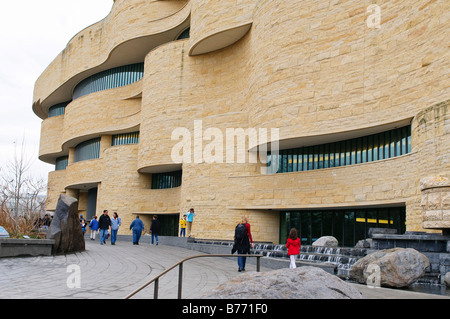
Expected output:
(87, 150)
(185, 34)
(364, 149)
(58, 109)
(124, 139)
(348, 226)
(166, 180)
(61, 163)
(109, 79)
(169, 224)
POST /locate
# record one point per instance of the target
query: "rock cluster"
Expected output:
(397, 267)
(300, 283)
(326, 241)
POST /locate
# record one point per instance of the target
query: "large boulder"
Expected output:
(397, 267)
(364, 243)
(326, 241)
(447, 279)
(65, 228)
(299, 283)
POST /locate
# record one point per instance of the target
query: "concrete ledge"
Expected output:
(422, 242)
(181, 242)
(25, 247)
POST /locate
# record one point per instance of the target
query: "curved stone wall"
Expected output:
(316, 71)
(51, 140)
(384, 75)
(124, 37)
(230, 22)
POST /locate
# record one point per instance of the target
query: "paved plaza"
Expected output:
(113, 272)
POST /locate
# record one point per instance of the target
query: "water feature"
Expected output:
(342, 258)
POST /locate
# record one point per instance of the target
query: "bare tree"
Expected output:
(21, 193)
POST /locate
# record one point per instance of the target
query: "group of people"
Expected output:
(137, 226)
(243, 242)
(186, 223)
(105, 223)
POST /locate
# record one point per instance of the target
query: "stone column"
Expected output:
(436, 203)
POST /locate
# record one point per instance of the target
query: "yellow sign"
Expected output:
(374, 221)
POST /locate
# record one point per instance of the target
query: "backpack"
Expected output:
(239, 232)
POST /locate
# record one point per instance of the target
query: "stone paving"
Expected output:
(113, 272)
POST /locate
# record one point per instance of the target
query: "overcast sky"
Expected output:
(32, 34)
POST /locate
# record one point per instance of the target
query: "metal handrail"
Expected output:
(180, 273)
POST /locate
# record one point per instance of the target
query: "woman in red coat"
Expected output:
(293, 246)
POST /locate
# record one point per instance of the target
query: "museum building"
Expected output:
(147, 112)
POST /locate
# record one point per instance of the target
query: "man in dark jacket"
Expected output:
(155, 229)
(104, 222)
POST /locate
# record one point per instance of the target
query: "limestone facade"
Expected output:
(315, 70)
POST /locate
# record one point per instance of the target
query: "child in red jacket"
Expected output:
(293, 246)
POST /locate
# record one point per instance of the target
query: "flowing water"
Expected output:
(342, 258)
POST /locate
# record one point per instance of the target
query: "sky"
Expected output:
(32, 34)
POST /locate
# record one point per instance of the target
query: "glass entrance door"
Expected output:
(348, 226)
(91, 203)
(169, 224)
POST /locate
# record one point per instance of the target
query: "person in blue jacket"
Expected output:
(138, 226)
(93, 225)
(190, 219)
(116, 222)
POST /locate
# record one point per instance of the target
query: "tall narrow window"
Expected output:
(125, 139)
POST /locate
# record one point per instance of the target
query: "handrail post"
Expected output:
(180, 274)
(155, 294)
(258, 264)
(180, 281)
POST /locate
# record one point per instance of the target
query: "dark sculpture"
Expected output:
(65, 228)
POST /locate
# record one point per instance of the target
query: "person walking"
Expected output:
(189, 220)
(83, 227)
(116, 222)
(155, 229)
(93, 225)
(46, 221)
(138, 227)
(243, 241)
(183, 226)
(104, 222)
(293, 245)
